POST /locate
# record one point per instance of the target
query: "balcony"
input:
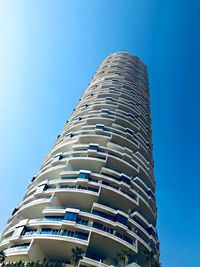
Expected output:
(72, 187)
(57, 232)
(17, 248)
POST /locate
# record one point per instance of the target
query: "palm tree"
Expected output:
(123, 256)
(150, 257)
(156, 264)
(2, 257)
(77, 255)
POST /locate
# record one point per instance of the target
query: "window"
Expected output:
(21, 246)
(46, 231)
(69, 134)
(98, 225)
(100, 126)
(105, 110)
(125, 179)
(109, 175)
(151, 231)
(67, 186)
(131, 102)
(129, 132)
(108, 229)
(93, 147)
(46, 187)
(54, 218)
(115, 81)
(119, 235)
(70, 233)
(92, 189)
(151, 194)
(81, 221)
(33, 179)
(70, 216)
(81, 235)
(14, 211)
(105, 183)
(68, 178)
(109, 98)
(103, 214)
(131, 116)
(84, 175)
(127, 239)
(121, 219)
(57, 158)
(55, 232)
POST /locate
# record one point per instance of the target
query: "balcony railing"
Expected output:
(58, 232)
(74, 234)
(17, 248)
(73, 187)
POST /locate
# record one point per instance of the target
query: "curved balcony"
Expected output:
(95, 188)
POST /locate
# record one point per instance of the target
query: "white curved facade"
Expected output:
(95, 189)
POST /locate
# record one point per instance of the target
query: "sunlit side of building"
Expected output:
(95, 189)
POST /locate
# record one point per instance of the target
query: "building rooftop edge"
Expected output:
(128, 54)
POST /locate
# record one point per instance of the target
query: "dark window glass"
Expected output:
(46, 231)
(57, 157)
(151, 232)
(14, 211)
(70, 216)
(69, 135)
(131, 116)
(115, 81)
(109, 98)
(120, 218)
(103, 214)
(105, 111)
(98, 225)
(106, 183)
(84, 175)
(93, 147)
(99, 126)
(129, 131)
(125, 180)
(81, 235)
(149, 192)
(33, 178)
(54, 218)
(93, 189)
(127, 239)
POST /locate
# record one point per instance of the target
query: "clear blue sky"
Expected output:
(49, 50)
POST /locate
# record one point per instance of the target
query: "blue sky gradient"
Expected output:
(49, 51)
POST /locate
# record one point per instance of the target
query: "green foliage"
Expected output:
(150, 258)
(123, 256)
(2, 257)
(76, 255)
(33, 264)
(156, 264)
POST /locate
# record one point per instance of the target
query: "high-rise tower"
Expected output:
(95, 189)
